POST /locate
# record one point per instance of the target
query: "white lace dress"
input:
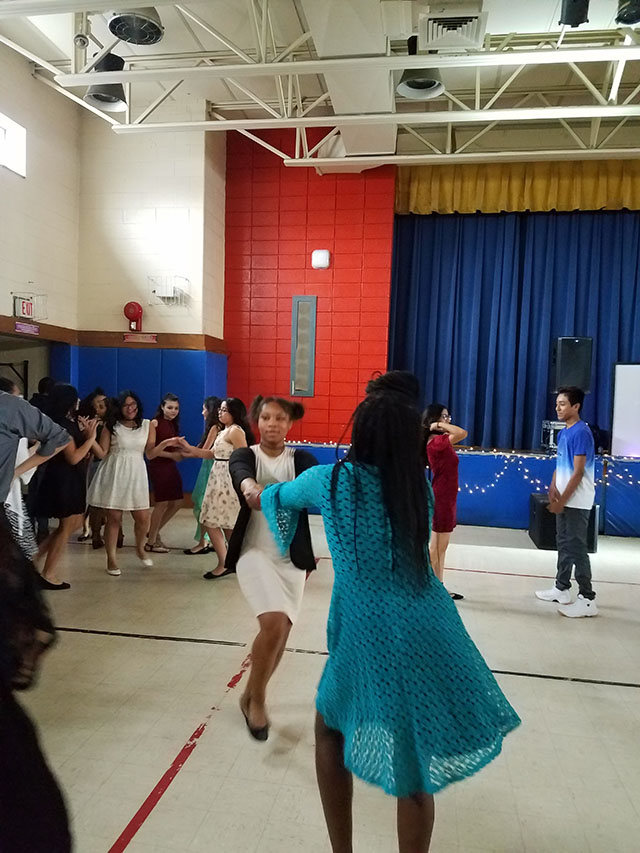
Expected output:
(269, 581)
(121, 481)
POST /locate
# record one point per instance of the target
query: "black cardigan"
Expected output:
(242, 465)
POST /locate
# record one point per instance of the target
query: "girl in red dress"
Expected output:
(441, 435)
(166, 481)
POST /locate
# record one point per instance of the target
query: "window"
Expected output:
(13, 145)
(303, 345)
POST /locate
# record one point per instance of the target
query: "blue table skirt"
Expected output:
(495, 488)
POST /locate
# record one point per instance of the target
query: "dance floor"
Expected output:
(137, 707)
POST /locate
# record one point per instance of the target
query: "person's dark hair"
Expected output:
(573, 394)
(211, 406)
(431, 415)
(7, 385)
(62, 398)
(46, 385)
(87, 404)
(114, 412)
(169, 398)
(293, 409)
(387, 434)
(238, 412)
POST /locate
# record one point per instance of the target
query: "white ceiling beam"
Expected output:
(104, 116)
(215, 33)
(28, 8)
(456, 117)
(366, 63)
(353, 164)
(41, 63)
(24, 8)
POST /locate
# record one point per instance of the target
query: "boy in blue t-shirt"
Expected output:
(571, 496)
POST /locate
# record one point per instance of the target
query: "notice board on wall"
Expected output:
(625, 423)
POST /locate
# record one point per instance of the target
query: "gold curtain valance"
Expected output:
(497, 187)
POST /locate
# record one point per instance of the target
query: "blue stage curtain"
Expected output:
(477, 300)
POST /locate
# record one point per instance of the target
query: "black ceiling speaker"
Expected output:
(571, 363)
(574, 13)
(108, 97)
(137, 26)
(628, 12)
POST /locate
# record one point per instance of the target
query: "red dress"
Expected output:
(166, 481)
(443, 461)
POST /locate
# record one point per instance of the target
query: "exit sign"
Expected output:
(23, 306)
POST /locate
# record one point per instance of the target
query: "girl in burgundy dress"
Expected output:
(441, 435)
(166, 481)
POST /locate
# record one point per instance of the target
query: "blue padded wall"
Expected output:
(64, 363)
(98, 367)
(141, 371)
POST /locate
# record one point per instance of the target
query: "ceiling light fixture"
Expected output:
(419, 84)
(137, 26)
(108, 97)
(574, 13)
(628, 12)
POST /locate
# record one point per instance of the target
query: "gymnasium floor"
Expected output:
(138, 709)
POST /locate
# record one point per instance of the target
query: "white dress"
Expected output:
(121, 480)
(269, 582)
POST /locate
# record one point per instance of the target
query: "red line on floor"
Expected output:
(133, 827)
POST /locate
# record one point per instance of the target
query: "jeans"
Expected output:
(571, 539)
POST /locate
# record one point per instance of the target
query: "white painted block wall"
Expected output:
(39, 214)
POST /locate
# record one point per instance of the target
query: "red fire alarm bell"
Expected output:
(133, 313)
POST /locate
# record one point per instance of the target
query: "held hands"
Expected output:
(89, 426)
(252, 492)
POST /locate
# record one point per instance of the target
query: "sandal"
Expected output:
(156, 549)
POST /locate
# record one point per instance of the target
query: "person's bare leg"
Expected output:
(415, 816)
(170, 511)
(335, 783)
(265, 653)
(66, 527)
(96, 520)
(434, 554)
(156, 521)
(111, 530)
(141, 528)
(219, 546)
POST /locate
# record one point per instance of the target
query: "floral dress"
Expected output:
(220, 505)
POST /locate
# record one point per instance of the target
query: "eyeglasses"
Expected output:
(445, 417)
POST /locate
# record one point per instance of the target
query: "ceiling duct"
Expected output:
(458, 25)
(108, 97)
(419, 84)
(137, 26)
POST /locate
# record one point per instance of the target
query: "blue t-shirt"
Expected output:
(576, 440)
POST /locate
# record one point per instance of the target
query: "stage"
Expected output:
(495, 487)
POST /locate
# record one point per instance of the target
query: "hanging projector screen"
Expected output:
(625, 424)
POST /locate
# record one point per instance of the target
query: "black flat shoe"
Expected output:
(257, 734)
(96, 544)
(45, 584)
(84, 537)
(456, 596)
(207, 550)
(209, 576)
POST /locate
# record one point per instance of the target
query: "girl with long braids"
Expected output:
(406, 701)
(212, 427)
(220, 506)
(272, 583)
(166, 481)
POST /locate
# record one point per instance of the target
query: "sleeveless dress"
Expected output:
(269, 581)
(443, 462)
(63, 488)
(166, 481)
(220, 504)
(121, 479)
(404, 683)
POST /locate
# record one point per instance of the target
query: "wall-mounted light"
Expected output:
(320, 259)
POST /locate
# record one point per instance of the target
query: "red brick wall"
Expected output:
(275, 217)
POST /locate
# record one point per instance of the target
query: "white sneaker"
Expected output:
(562, 596)
(114, 572)
(147, 562)
(581, 607)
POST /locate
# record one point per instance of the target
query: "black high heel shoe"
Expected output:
(261, 733)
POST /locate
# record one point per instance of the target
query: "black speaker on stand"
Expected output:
(571, 363)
